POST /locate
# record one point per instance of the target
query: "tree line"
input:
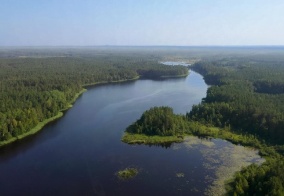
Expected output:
(247, 97)
(159, 121)
(34, 89)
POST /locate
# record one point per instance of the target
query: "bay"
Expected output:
(80, 153)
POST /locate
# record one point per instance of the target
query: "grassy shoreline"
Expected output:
(34, 130)
(40, 125)
(221, 184)
(201, 130)
(130, 138)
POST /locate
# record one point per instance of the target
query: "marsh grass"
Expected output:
(127, 174)
(180, 175)
(130, 138)
(225, 161)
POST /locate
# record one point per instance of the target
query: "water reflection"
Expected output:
(80, 153)
(165, 145)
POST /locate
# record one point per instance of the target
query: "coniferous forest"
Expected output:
(38, 87)
(245, 97)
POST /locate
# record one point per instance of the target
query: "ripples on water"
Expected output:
(80, 153)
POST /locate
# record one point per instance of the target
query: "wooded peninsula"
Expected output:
(244, 103)
(35, 90)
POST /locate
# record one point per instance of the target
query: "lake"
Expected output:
(80, 153)
(173, 63)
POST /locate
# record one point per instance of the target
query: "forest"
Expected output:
(245, 100)
(159, 121)
(36, 88)
(247, 97)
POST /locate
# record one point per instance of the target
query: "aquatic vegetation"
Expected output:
(180, 175)
(130, 138)
(127, 173)
(225, 161)
(191, 141)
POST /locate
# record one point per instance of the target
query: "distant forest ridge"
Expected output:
(83, 51)
(246, 93)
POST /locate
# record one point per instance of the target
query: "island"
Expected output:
(127, 173)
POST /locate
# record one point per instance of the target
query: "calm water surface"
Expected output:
(80, 153)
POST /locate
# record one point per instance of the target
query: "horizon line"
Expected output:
(106, 45)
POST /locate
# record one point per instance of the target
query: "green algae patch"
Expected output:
(224, 162)
(180, 175)
(127, 174)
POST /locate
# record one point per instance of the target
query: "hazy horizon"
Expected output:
(142, 46)
(92, 23)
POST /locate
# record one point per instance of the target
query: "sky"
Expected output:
(141, 22)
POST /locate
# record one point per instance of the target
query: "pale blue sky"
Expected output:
(141, 22)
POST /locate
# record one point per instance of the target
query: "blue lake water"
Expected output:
(80, 153)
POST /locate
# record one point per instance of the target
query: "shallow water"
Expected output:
(80, 153)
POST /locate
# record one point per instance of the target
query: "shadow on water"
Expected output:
(204, 137)
(164, 79)
(165, 145)
(123, 83)
(19, 147)
(132, 82)
(80, 153)
(168, 145)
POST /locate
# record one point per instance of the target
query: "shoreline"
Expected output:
(110, 82)
(130, 138)
(41, 124)
(220, 183)
(33, 131)
(177, 76)
(203, 131)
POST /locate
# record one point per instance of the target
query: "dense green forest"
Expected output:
(37, 88)
(245, 100)
(241, 99)
(159, 121)
(247, 97)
